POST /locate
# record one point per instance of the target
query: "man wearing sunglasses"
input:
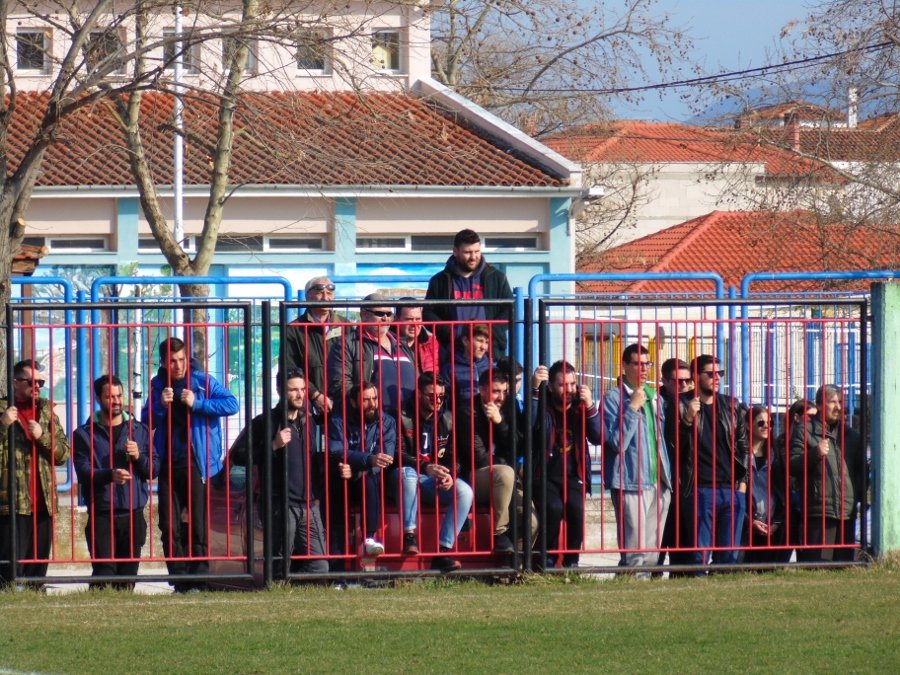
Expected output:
(40, 443)
(712, 450)
(372, 352)
(307, 340)
(635, 461)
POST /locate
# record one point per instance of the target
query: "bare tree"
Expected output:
(537, 63)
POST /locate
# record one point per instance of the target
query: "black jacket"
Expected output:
(495, 286)
(428, 441)
(730, 416)
(305, 345)
(474, 434)
(303, 454)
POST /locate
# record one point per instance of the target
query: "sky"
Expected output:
(729, 35)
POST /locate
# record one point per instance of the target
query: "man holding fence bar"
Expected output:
(827, 460)
(635, 462)
(184, 409)
(572, 421)
(114, 468)
(712, 450)
(40, 444)
(296, 442)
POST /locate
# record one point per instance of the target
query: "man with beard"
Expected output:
(112, 461)
(827, 461)
(468, 276)
(713, 429)
(184, 409)
(40, 443)
(572, 420)
(362, 444)
(297, 531)
(429, 462)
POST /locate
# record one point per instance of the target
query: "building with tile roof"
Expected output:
(331, 173)
(734, 244)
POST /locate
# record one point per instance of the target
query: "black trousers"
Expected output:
(832, 531)
(119, 540)
(184, 544)
(34, 536)
(562, 503)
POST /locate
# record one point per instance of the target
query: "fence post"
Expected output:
(885, 421)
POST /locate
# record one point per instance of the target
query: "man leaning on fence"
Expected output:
(40, 444)
(295, 441)
(185, 408)
(827, 462)
(114, 468)
(713, 429)
(572, 421)
(635, 462)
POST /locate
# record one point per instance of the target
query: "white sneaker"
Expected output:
(372, 547)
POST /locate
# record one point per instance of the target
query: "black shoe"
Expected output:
(445, 563)
(410, 545)
(503, 544)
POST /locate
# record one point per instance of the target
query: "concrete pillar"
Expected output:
(345, 236)
(885, 439)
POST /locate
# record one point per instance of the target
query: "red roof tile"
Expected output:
(286, 138)
(25, 261)
(875, 139)
(668, 143)
(736, 243)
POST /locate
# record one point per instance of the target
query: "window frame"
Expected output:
(43, 50)
(376, 36)
(191, 57)
(322, 35)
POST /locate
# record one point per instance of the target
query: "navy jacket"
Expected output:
(95, 460)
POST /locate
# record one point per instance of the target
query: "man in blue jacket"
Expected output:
(114, 468)
(635, 462)
(184, 409)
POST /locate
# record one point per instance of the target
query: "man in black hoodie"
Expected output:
(295, 440)
(468, 276)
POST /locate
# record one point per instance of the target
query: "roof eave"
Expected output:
(550, 159)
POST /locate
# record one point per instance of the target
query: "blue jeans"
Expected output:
(729, 508)
(456, 502)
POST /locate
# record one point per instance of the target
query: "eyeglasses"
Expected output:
(713, 373)
(318, 288)
(38, 383)
(762, 425)
(641, 364)
(381, 313)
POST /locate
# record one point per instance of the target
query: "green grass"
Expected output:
(791, 621)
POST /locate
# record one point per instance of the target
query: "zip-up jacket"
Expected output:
(349, 444)
(96, 457)
(566, 437)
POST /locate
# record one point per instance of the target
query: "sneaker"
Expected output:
(503, 544)
(372, 547)
(410, 546)
(445, 563)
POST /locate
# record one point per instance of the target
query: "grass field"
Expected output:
(790, 621)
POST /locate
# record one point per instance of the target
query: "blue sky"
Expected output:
(728, 35)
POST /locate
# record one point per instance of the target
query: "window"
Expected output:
(437, 243)
(294, 243)
(230, 43)
(147, 244)
(386, 51)
(508, 243)
(313, 51)
(382, 243)
(104, 51)
(238, 243)
(190, 53)
(78, 244)
(32, 50)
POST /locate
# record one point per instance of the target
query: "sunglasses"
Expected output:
(762, 425)
(681, 380)
(318, 288)
(38, 383)
(713, 373)
(382, 313)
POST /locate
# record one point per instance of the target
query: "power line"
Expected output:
(732, 76)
